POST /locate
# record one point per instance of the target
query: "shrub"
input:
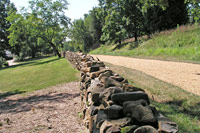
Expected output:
(6, 64)
(2, 61)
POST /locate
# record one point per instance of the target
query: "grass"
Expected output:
(36, 74)
(181, 43)
(180, 106)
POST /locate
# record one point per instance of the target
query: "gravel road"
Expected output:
(51, 110)
(183, 75)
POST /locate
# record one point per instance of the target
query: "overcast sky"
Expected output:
(76, 9)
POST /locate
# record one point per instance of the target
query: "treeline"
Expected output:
(114, 21)
(40, 29)
(43, 28)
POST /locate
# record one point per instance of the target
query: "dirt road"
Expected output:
(183, 75)
(51, 110)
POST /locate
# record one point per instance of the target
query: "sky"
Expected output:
(76, 8)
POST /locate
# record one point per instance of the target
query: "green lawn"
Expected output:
(36, 74)
(180, 106)
(181, 43)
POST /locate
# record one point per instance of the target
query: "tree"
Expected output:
(93, 23)
(81, 35)
(5, 9)
(21, 34)
(113, 30)
(124, 20)
(51, 24)
(164, 14)
(133, 18)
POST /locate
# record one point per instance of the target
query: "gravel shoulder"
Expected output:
(183, 75)
(54, 110)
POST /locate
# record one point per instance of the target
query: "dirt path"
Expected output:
(52, 110)
(184, 75)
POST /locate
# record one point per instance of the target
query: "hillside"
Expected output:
(181, 43)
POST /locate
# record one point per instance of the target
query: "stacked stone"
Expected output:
(111, 105)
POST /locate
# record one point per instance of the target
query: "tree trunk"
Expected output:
(136, 38)
(33, 51)
(55, 50)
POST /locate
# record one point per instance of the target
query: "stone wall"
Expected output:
(111, 105)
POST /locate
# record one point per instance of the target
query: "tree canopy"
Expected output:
(43, 28)
(6, 7)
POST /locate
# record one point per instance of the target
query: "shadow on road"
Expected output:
(25, 104)
(10, 93)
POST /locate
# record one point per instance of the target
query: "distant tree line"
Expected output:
(113, 21)
(40, 29)
(43, 28)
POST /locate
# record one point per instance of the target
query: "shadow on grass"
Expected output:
(119, 46)
(179, 107)
(27, 103)
(44, 62)
(31, 63)
(10, 93)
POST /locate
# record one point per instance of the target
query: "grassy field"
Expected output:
(175, 103)
(181, 43)
(36, 74)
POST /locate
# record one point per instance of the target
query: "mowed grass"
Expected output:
(180, 106)
(36, 74)
(181, 43)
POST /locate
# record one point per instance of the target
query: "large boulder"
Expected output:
(139, 111)
(109, 82)
(107, 93)
(114, 112)
(97, 73)
(166, 125)
(114, 124)
(120, 98)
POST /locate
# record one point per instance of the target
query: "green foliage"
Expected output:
(49, 22)
(80, 35)
(194, 12)
(37, 74)
(179, 44)
(2, 61)
(5, 9)
(69, 46)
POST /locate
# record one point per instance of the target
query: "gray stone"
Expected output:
(120, 98)
(166, 125)
(105, 74)
(139, 111)
(131, 88)
(146, 129)
(105, 126)
(113, 129)
(114, 112)
(96, 74)
(109, 82)
(107, 93)
(114, 123)
(117, 78)
(95, 86)
(101, 117)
